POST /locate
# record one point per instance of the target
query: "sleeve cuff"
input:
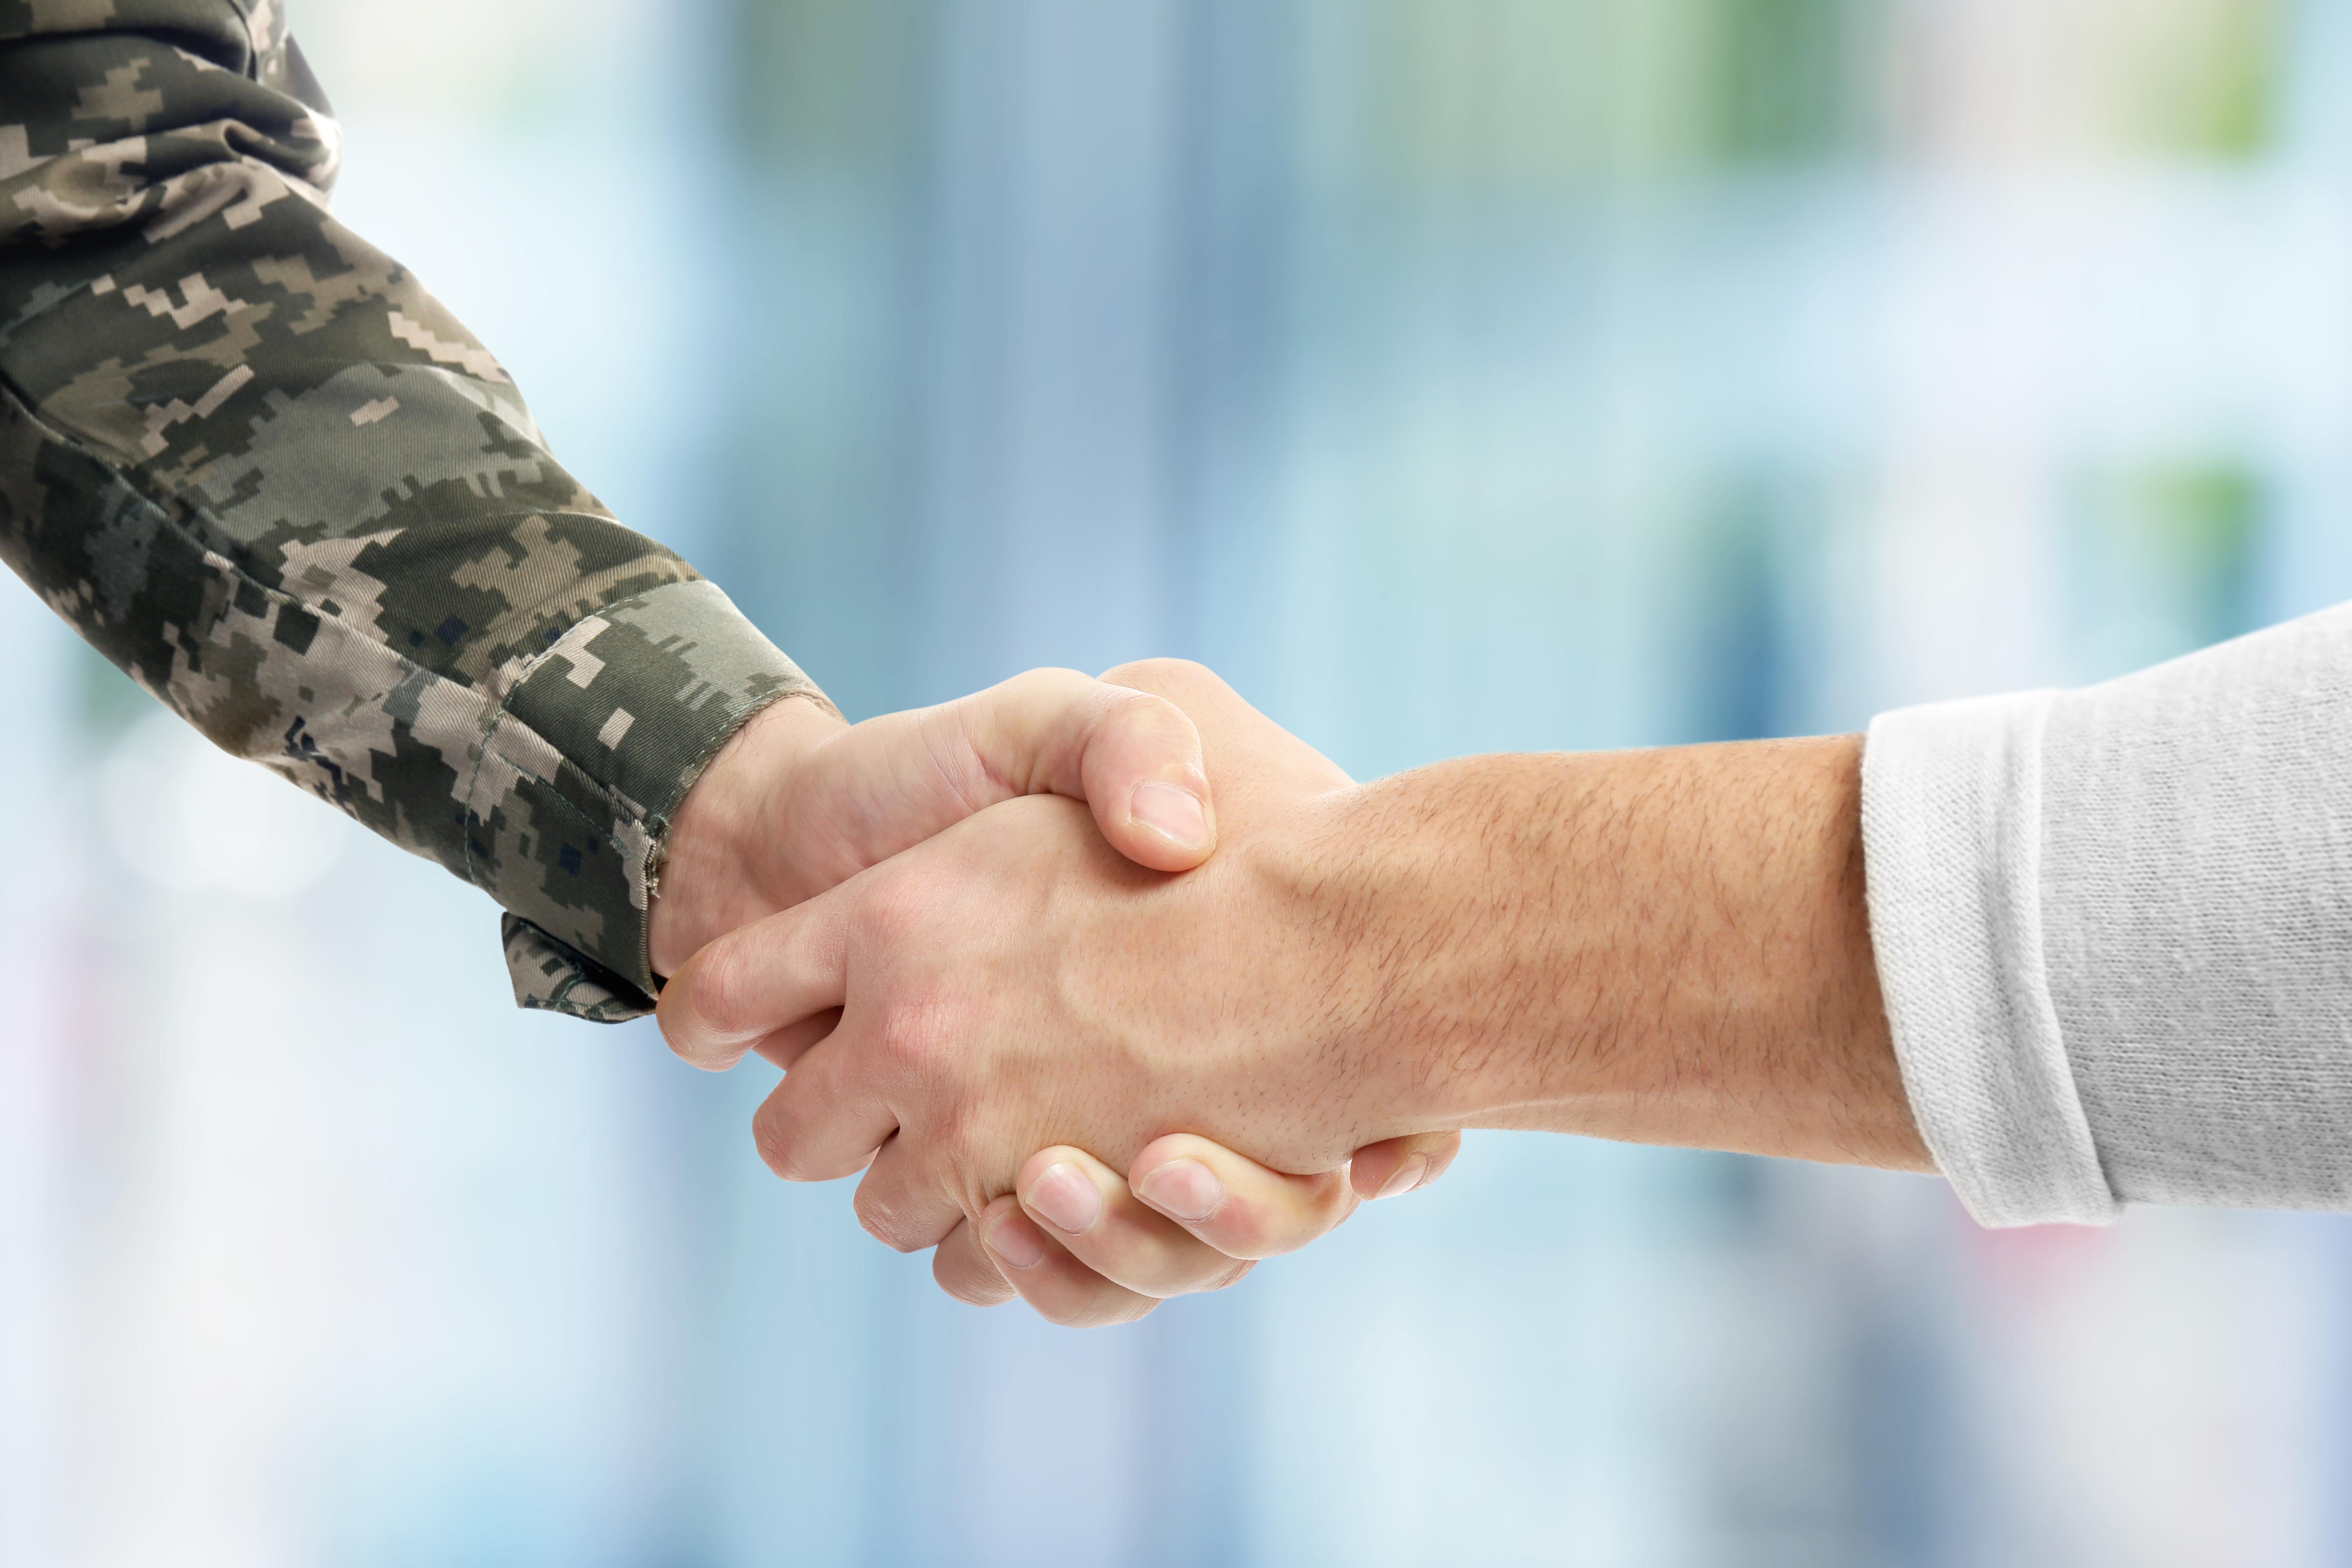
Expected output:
(550, 977)
(596, 742)
(1951, 811)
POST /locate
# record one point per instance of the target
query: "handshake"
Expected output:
(1111, 987)
(993, 1003)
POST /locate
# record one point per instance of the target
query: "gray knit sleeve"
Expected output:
(2115, 931)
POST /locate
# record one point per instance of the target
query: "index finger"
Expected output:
(756, 980)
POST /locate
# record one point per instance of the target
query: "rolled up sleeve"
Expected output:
(2114, 928)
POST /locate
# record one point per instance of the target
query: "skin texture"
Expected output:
(1668, 947)
(798, 801)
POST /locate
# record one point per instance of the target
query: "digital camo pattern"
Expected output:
(257, 466)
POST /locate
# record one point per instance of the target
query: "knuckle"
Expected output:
(1079, 1311)
(1233, 1274)
(1251, 1231)
(957, 1140)
(677, 1031)
(717, 1003)
(1045, 683)
(1147, 716)
(1240, 1233)
(973, 1288)
(1148, 674)
(1128, 1309)
(895, 913)
(883, 1218)
(915, 1038)
(780, 1151)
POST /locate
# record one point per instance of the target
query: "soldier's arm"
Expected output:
(256, 464)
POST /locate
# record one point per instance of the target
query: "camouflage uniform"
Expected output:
(258, 467)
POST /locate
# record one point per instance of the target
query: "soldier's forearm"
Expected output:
(263, 471)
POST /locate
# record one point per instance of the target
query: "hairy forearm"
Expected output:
(1664, 947)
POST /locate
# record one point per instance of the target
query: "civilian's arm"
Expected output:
(1666, 947)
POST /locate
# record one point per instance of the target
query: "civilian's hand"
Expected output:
(1085, 1245)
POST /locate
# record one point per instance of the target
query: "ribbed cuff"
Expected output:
(1951, 821)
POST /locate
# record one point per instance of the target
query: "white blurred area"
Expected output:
(184, 816)
(1456, 374)
(332, 1257)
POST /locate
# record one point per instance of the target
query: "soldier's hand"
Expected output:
(798, 801)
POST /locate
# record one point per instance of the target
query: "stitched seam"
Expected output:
(657, 831)
(504, 711)
(656, 827)
(252, 71)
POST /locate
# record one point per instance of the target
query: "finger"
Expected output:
(1134, 758)
(1402, 1165)
(1253, 756)
(1234, 1205)
(887, 784)
(899, 1206)
(823, 1121)
(788, 1043)
(964, 1269)
(1086, 1206)
(1061, 1289)
(757, 979)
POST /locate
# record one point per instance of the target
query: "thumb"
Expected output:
(1134, 758)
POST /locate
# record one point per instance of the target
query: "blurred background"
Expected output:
(1452, 374)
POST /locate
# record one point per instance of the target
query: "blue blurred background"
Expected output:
(1453, 375)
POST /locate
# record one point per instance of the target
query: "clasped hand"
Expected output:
(1042, 1037)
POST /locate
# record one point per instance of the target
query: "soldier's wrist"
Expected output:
(719, 855)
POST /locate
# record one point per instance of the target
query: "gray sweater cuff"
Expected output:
(1951, 809)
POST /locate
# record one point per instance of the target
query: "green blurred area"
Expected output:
(830, 83)
(2165, 558)
(1784, 77)
(2215, 94)
(1527, 97)
(1504, 96)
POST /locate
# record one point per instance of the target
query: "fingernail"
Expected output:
(1183, 1189)
(1404, 1178)
(1175, 813)
(1064, 1196)
(1016, 1241)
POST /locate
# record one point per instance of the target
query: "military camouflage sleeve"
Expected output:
(262, 470)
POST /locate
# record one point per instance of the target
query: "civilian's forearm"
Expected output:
(1666, 947)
